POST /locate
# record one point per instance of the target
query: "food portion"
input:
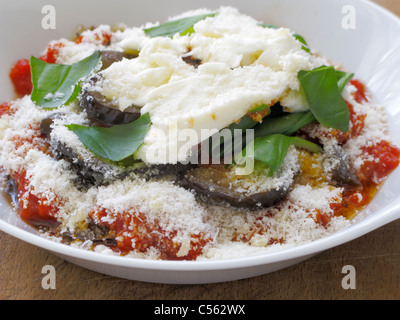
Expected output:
(209, 136)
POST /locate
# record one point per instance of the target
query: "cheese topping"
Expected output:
(243, 65)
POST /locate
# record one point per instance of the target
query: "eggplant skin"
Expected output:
(95, 232)
(108, 57)
(212, 186)
(87, 176)
(341, 173)
(162, 170)
(100, 109)
(46, 124)
(190, 60)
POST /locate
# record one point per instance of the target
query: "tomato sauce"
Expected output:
(35, 140)
(133, 231)
(4, 108)
(20, 76)
(52, 52)
(353, 200)
(103, 38)
(34, 210)
(380, 160)
(360, 94)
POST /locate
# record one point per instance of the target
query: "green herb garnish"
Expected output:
(273, 149)
(324, 97)
(305, 46)
(182, 26)
(286, 124)
(56, 84)
(342, 79)
(115, 143)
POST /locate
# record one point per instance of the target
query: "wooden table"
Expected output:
(375, 257)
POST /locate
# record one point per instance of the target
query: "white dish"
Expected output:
(370, 51)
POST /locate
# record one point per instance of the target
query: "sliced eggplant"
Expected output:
(108, 57)
(212, 186)
(94, 232)
(104, 111)
(160, 170)
(46, 124)
(11, 191)
(337, 165)
(96, 172)
(190, 60)
(100, 109)
(88, 174)
(217, 185)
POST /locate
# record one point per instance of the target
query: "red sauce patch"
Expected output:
(52, 52)
(20, 76)
(103, 38)
(4, 108)
(31, 138)
(359, 95)
(134, 232)
(322, 218)
(354, 200)
(380, 160)
(34, 210)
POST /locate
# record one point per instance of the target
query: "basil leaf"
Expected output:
(343, 78)
(267, 25)
(305, 144)
(287, 124)
(273, 149)
(321, 90)
(182, 26)
(115, 143)
(58, 84)
(305, 46)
